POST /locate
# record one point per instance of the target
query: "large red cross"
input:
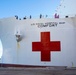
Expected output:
(46, 46)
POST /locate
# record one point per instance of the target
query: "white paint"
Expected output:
(66, 33)
(1, 49)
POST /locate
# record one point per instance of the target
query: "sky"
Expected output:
(9, 8)
(22, 8)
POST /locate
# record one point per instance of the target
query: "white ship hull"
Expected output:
(29, 48)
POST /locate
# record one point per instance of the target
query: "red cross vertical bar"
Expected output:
(46, 46)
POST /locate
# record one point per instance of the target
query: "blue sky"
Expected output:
(23, 8)
(9, 8)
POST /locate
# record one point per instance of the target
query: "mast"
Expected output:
(66, 8)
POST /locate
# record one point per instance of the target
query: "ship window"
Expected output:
(1, 49)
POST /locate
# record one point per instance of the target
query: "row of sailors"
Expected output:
(41, 16)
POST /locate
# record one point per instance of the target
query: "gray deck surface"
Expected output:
(37, 71)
